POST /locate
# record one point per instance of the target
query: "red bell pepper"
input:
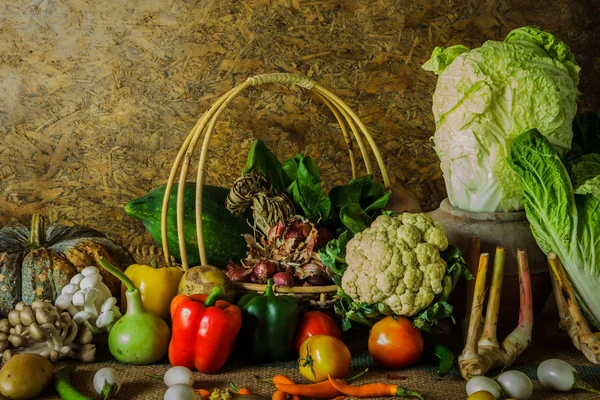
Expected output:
(204, 330)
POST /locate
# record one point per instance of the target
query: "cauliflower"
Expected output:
(397, 262)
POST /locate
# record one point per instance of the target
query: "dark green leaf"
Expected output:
(432, 315)
(306, 190)
(260, 158)
(380, 202)
(354, 217)
(290, 168)
(585, 172)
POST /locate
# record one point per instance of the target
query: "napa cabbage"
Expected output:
(561, 197)
(485, 97)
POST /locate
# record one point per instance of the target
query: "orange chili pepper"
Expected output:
(203, 393)
(279, 395)
(321, 390)
(243, 390)
(372, 389)
(281, 379)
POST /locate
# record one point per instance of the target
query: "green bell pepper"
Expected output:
(268, 325)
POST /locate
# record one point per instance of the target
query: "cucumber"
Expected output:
(222, 230)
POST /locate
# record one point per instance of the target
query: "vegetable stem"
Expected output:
(118, 274)
(488, 337)
(215, 294)
(108, 390)
(37, 233)
(269, 289)
(583, 385)
(470, 350)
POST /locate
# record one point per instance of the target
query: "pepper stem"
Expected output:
(269, 289)
(215, 294)
(583, 385)
(118, 274)
(403, 392)
(233, 386)
(355, 377)
(37, 235)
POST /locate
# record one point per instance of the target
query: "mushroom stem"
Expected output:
(73, 330)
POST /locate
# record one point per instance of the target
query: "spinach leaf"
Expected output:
(356, 204)
(305, 187)
(354, 217)
(260, 158)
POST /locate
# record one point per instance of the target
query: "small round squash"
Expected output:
(25, 376)
(202, 279)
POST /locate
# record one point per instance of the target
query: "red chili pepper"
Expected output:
(204, 330)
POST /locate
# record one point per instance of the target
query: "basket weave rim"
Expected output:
(257, 287)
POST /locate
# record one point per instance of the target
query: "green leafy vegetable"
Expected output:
(357, 203)
(260, 158)
(561, 220)
(586, 175)
(487, 96)
(305, 187)
(354, 217)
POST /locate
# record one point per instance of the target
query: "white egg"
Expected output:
(179, 376)
(478, 383)
(515, 384)
(180, 392)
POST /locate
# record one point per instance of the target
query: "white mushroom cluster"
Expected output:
(42, 330)
(89, 301)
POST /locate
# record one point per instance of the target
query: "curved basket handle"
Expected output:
(342, 112)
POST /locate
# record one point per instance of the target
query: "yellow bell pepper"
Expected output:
(157, 286)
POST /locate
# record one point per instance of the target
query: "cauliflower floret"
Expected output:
(396, 261)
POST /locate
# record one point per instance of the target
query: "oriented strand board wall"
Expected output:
(96, 97)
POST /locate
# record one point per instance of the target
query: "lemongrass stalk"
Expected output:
(520, 338)
(473, 250)
(469, 359)
(565, 321)
(488, 337)
(577, 326)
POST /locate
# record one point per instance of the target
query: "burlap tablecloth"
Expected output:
(548, 342)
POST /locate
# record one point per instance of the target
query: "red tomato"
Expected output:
(395, 343)
(316, 323)
(321, 355)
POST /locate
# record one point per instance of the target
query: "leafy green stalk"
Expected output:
(560, 220)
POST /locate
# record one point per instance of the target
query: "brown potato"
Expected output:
(25, 376)
(202, 279)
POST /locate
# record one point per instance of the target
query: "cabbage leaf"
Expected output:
(563, 219)
(485, 98)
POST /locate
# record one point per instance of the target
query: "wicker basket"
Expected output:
(322, 297)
